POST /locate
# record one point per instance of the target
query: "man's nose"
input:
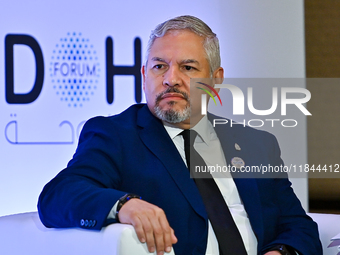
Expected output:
(172, 77)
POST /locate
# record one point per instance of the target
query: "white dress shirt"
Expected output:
(208, 146)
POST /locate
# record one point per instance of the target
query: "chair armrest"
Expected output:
(329, 226)
(25, 234)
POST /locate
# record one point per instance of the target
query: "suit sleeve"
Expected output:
(83, 194)
(294, 227)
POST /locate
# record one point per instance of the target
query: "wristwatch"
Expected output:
(123, 200)
(281, 248)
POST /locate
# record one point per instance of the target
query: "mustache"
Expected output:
(172, 90)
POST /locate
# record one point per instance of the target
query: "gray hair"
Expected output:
(210, 44)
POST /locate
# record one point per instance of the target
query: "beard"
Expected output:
(171, 115)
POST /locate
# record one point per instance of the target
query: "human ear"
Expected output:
(143, 75)
(218, 77)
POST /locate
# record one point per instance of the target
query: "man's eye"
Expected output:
(159, 66)
(189, 68)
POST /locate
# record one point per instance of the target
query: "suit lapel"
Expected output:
(151, 133)
(247, 187)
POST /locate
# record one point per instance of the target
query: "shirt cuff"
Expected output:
(112, 213)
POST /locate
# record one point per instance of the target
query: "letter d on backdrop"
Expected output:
(10, 41)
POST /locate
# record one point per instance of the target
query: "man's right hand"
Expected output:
(150, 223)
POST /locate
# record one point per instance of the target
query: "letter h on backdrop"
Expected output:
(112, 70)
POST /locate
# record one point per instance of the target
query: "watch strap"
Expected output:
(123, 200)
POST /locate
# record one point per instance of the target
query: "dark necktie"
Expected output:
(228, 237)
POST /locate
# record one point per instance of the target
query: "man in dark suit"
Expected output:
(142, 153)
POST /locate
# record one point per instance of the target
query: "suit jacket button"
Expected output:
(94, 223)
(86, 223)
(82, 222)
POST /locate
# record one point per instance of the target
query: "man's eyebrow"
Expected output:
(185, 61)
(158, 59)
(190, 61)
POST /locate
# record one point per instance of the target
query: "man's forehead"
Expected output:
(187, 45)
(186, 35)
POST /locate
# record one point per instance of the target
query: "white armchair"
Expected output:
(25, 234)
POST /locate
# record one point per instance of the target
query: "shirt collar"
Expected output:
(203, 128)
(172, 131)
